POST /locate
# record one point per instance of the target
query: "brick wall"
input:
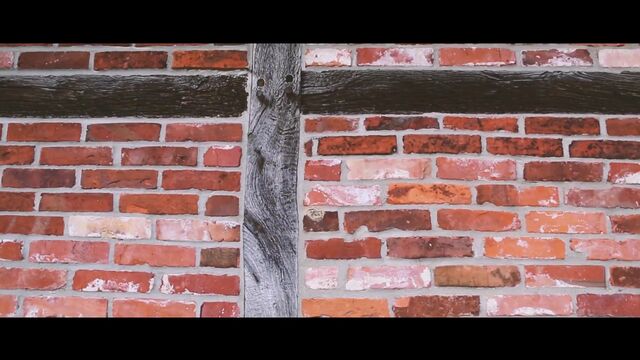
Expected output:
(121, 216)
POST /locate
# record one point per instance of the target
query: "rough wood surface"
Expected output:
(270, 230)
(114, 96)
(412, 91)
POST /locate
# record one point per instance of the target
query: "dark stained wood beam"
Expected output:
(413, 91)
(219, 95)
(270, 229)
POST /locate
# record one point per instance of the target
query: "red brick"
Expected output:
(322, 170)
(200, 284)
(626, 276)
(345, 308)
(203, 180)
(16, 155)
(10, 250)
(563, 171)
(69, 251)
(437, 306)
(6, 60)
(475, 169)
(123, 132)
(388, 277)
(222, 205)
(327, 57)
(154, 255)
(308, 148)
(607, 249)
(159, 204)
(477, 276)
(377, 169)
(223, 156)
(448, 144)
(31, 225)
(524, 248)
(562, 125)
(525, 146)
(32, 279)
(558, 222)
(330, 124)
(530, 305)
(210, 59)
(112, 281)
(343, 195)
(92, 202)
(617, 305)
(623, 126)
(336, 248)
(478, 220)
(8, 305)
(76, 156)
(606, 149)
(115, 60)
(357, 145)
(219, 310)
(619, 57)
(564, 276)
(625, 224)
(607, 198)
(510, 195)
(220, 257)
(419, 247)
(204, 132)
(395, 56)
(476, 57)
(509, 124)
(197, 230)
(17, 201)
(49, 132)
(49, 306)
(160, 155)
(107, 179)
(400, 123)
(381, 220)
(53, 60)
(147, 308)
(402, 193)
(316, 220)
(557, 57)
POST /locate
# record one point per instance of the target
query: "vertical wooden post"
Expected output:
(270, 230)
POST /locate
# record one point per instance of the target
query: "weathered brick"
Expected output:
(322, 170)
(8, 305)
(564, 276)
(524, 248)
(625, 276)
(112, 281)
(222, 205)
(107, 179)
(76, 156)
(343, 195)
(395, 56)
(219, 310)
(479, 220)
(92, 202)
(530, 305)
(357, 145)
(557, 57)
(123, 132)
(220, 257)
(508, 124)
(623, 126)
(525, 146)
(381, 220)
(154, 255)
(437, 306)
(606, 149)
(378, 169)
(617, 305)
(148, 308)
(388, 277)
(374, 123)
(510, 195)
(327, 57)
(625, 224)
(16, 155)
(559, 222)
(204, 132)
(344, 307)
(337, 248)
(447, 144)
(6, 60)
(32, 279)
(159, 204)
(210, 59)
(308, 148)
(69, 251)
(562, 125)
(28, 225)
(330, 124)
(316, 220)
(223, 156)
(475, 169)
(607, 249)
(624, 173)
(58, 60)
(197, 230)
(476, 57)
(419, 247)
(606, 198)
(201, 179)
(124, 228)
(10, 250)
(402, 193)
(44, 131)
(563, 171)
(323, 277)
(160, 155)
(477, 276)
(17, 201)
(200, 284)
(619, 57)
(122, 60)
(71, 306)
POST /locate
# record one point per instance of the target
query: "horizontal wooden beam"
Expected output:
(422, 91)
(118, 96)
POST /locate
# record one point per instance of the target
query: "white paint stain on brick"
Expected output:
(388, 277)
(377, 169)
(323, 277)
(340, 195)
(110, 285)
(125, 228)
(327, 57)
(619, 57)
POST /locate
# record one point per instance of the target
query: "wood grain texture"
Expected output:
(114, 96)
(270, 229)
(408, 92)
